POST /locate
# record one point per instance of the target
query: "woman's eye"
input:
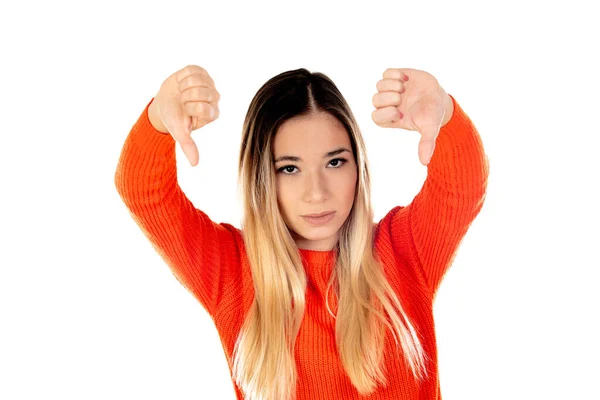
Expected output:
(289, 169)
(343, 160)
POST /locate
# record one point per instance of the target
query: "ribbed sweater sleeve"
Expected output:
(201, 254)
(432, 226)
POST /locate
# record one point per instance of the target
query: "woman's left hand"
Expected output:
(413, 100)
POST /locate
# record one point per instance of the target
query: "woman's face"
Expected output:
(311, 178)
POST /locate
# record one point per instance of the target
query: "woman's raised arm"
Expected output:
(203, 255)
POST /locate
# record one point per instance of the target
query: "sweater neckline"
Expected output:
(318, 256)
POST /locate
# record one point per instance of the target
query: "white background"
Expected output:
(88, 310)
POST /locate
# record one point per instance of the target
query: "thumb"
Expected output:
(181, 132)
(189, 148)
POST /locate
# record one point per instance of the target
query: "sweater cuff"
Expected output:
(457, 130)
(144, 135)
(459, 164)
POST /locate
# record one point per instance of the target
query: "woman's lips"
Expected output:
(319, 220)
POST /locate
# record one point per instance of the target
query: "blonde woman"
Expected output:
(311, 298)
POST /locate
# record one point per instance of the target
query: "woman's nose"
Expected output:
(316, 188)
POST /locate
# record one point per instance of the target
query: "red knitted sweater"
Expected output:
(416, 244)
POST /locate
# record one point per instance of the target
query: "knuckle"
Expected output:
(197, 80)
(198, 109)
(184, 84)
(185, 70)
(194, 68)
(195, 93)
(204, 109)
(375, 116)
(195, 109)
(208, 95)
(205, 94)
(190, 70)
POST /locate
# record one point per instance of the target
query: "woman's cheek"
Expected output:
(283, 200)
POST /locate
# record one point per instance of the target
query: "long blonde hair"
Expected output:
(264, 365)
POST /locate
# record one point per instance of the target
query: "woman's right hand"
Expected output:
(186, 101)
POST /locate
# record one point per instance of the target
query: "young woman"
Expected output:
(311, 299)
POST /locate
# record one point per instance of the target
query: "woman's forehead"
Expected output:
(310, 136)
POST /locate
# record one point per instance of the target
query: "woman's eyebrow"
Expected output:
(327, 155)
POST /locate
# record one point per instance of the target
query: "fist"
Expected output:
(412, 99)
(187, 100)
